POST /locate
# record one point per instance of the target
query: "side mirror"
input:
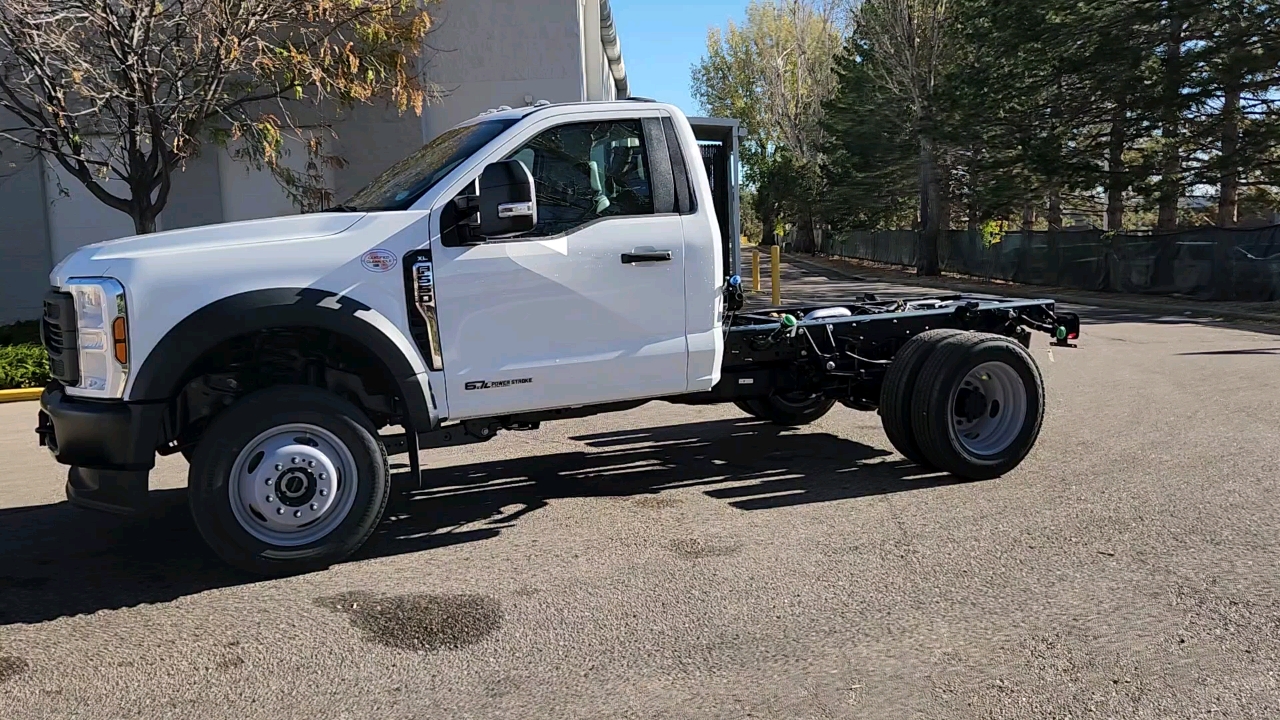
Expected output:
(507, 202)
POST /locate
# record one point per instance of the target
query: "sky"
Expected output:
(663, 39)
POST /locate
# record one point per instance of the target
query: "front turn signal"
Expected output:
(120, 340)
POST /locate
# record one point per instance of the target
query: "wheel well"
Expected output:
(280, 356)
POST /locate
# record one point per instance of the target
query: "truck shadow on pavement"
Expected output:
(57, 561)
(748, 464)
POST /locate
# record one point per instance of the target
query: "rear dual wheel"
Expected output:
(967, 403)
(899, 382)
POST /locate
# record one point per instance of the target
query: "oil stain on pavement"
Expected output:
(419, 621)
(11, 666)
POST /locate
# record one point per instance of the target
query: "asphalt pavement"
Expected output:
(682, 562)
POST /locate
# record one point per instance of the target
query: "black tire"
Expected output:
(792, 412)
(232, 430)
(935, 410)
(900, 383)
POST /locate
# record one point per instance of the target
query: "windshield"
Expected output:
(403, 183)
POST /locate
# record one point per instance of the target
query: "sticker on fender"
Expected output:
(486, 385)
(378, 260)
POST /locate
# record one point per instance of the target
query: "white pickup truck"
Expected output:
(527, 265)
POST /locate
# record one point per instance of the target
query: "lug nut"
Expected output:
(297, 513)
(270, 499)
(279, 466)
(322, 476)
(279, 511)
(311, 463)
(294, 460)
(269, 481)
(314, 507)
(323, 492)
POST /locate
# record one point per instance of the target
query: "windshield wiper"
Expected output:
(343, 208)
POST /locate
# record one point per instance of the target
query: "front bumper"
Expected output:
(109, 444)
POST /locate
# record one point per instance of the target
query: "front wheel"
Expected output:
(288, 480)
(792, 409)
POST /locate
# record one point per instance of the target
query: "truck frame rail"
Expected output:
(842, 351)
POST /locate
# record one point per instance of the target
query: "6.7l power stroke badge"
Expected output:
(487, 385)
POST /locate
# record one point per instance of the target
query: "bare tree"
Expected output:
(909, 57)
(129, 89)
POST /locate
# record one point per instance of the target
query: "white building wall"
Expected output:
(593, 61)
(502, 52)
(372, 138)
(196, 195)
(24, 236)
(250, 193)
(76, 217)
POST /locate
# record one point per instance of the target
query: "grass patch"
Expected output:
(23, 361)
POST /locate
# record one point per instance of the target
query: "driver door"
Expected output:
(587, 308)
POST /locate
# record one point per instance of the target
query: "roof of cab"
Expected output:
(505, 112)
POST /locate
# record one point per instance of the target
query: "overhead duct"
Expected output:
(613, 50)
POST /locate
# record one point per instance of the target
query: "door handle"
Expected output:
(651, 256)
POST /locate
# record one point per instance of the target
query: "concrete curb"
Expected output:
(1119, 303)
(23, 394)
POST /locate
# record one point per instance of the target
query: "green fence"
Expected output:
(1206, 263)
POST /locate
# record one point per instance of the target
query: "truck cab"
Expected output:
(526, 265)
(605, 286)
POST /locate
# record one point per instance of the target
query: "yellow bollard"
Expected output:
(755, 270)
(775, 256)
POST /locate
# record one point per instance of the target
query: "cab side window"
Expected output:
(587, 171)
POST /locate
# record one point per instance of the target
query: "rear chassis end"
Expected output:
(776, 351)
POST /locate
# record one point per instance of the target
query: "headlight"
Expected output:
(102, 336)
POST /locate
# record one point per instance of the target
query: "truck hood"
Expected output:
(96, 258)
(249, 232)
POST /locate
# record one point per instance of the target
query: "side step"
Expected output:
(466, 432)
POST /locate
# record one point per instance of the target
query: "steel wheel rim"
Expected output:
(292, 485)
(988, 409)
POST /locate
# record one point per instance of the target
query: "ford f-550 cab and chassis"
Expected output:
(531, 264)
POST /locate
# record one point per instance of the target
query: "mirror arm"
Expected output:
(468, 207)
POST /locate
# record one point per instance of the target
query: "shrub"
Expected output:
(23, 366)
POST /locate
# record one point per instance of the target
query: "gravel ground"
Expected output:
(680, 562)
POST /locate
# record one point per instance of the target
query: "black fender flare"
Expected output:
(167, 363)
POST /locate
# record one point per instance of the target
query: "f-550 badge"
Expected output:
(487, 385)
